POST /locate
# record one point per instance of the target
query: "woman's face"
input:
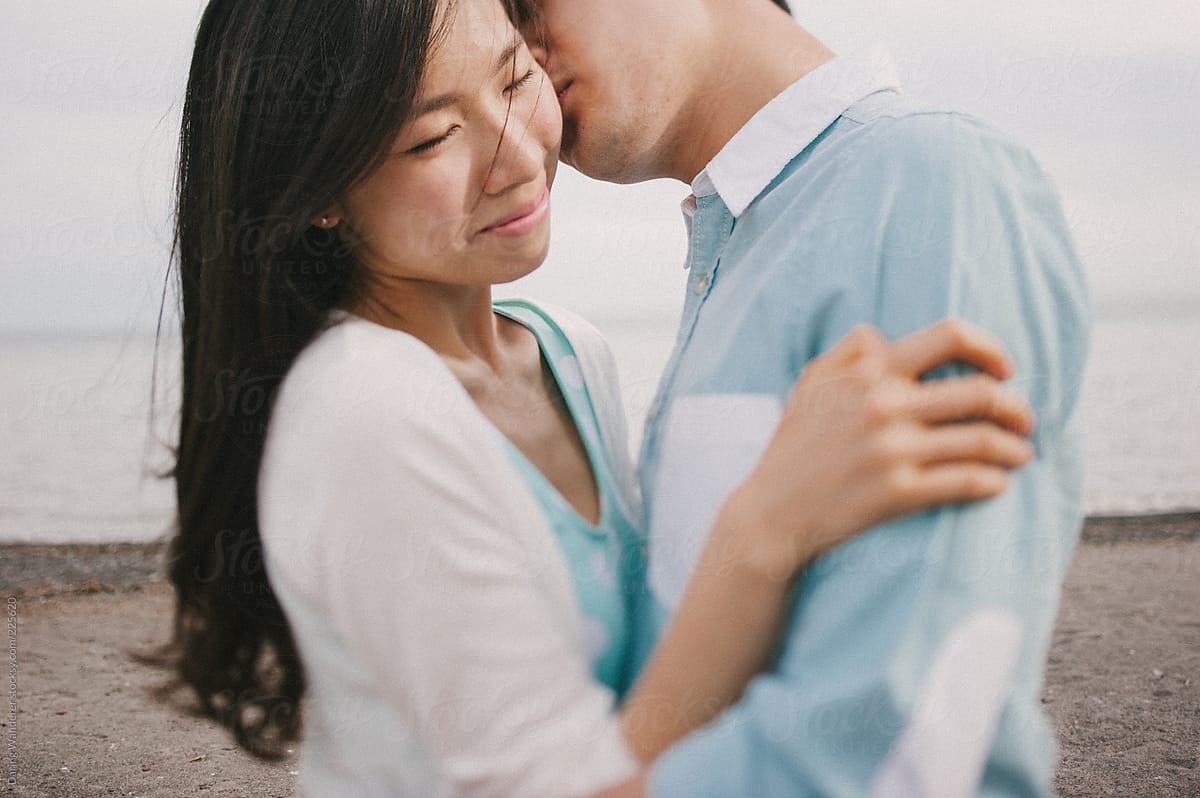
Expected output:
(463, 197)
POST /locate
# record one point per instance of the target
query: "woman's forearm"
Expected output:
(724, 633)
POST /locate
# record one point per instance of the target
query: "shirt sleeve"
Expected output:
(446, 583)
(913, 659)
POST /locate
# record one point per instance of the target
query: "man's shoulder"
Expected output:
(888, 133)
(890, 145)
(889, 106)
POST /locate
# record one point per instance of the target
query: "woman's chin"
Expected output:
(523, 268)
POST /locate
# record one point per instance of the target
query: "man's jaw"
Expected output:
(566, 152)
(562, 88)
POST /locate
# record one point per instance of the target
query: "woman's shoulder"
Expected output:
(351, 345)
(585, 339)
(359, 374)
(581, 333)
(600, 374)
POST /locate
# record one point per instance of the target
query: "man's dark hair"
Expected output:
(782, 4)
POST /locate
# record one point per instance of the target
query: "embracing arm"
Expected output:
(891, 446)
(448, 588)
(444, 582)
(887, 439)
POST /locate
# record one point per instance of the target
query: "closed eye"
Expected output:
(433, 143)
(520, 82)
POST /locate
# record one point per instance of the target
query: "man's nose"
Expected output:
(540, 52)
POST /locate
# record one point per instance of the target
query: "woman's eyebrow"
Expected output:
(507, 55)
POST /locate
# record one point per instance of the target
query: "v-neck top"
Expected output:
(603, 558)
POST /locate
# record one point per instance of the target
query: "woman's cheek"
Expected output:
(549, 120)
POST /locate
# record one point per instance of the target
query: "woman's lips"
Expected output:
(524, 220)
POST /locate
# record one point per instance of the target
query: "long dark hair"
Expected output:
(288, 104)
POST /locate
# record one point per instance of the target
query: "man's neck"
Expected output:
(756, 53)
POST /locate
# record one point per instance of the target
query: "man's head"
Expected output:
(633, 77)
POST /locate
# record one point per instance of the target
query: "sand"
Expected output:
(1123, 678)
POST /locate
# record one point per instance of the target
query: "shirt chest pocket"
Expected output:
(709, 444)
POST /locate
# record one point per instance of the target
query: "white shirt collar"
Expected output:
(775, 135)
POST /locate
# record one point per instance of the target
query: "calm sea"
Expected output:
(80, 456)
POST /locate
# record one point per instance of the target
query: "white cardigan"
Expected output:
(439, 630)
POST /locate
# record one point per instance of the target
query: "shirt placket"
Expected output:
(710, 228)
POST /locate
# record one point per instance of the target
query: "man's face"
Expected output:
(620, 71)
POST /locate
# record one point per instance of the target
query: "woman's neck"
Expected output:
(457, 322)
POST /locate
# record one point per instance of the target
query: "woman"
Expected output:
(439, 485)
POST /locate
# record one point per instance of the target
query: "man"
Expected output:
(823, 198)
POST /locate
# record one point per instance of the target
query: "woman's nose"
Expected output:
(519, 156)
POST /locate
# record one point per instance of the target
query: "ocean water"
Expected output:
(79, 455)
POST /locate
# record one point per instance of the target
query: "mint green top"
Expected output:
(604, 560)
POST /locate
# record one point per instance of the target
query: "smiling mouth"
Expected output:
(524, 220)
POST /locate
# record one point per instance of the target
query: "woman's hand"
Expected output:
(863, 441)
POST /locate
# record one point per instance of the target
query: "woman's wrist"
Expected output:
(734, 604)
(747, 536)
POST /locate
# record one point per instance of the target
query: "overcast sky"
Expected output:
(1106, 94)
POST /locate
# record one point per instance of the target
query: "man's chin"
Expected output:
(578, 159)
(596, 162)
(566, 152)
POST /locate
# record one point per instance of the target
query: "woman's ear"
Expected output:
(328, 218)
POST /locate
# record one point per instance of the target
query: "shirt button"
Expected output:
(701, 285)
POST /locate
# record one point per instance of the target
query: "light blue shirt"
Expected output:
(912, 663)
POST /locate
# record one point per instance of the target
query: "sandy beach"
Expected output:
(1123, 683)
